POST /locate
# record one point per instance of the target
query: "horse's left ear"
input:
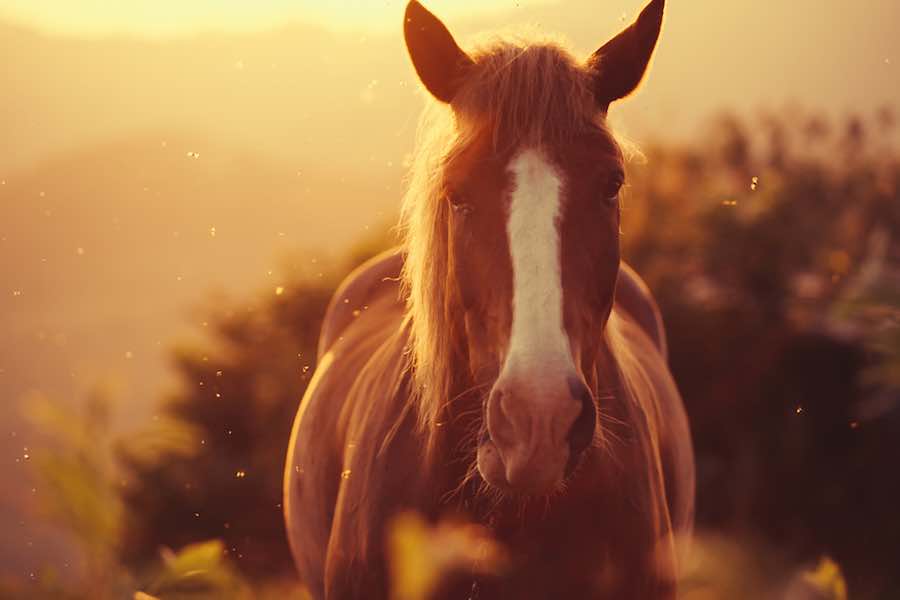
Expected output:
(620, 64)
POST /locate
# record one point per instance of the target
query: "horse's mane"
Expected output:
(518, 91)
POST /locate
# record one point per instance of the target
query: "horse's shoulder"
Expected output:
(375, 278)
(633, 296)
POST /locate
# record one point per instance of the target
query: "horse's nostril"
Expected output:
(582, 433)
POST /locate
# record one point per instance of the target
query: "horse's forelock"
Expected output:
(527, 92)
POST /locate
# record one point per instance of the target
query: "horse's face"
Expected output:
(534, 251)
(533, 257)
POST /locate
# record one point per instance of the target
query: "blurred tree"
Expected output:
(771, 256)
(239, 396)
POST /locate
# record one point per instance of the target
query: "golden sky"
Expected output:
(160, 17)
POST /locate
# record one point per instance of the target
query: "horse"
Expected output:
(503, 365)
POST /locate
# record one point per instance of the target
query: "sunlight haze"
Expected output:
(167, 160)
(162, 17)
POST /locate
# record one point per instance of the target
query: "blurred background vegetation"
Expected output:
(771, 245)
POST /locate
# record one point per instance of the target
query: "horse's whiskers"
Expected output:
(468, 390)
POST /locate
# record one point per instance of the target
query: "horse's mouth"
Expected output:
(494, 471)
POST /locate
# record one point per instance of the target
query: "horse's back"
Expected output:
(634, 297)
(363, 314)
(377, 277)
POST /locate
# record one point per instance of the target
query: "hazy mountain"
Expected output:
(102, 251)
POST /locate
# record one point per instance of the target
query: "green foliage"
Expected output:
(423, 556)
(870, 309)
(198, 571)
(80, 492)
(75, 477)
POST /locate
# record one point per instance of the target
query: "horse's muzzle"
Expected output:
(532, 442)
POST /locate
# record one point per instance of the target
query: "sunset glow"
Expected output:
(161, 17)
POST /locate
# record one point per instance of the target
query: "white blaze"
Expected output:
(537, 335)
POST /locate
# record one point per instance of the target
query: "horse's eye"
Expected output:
(458, 204)
(612, 187)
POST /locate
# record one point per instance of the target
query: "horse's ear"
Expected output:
(438, 60)
(620, 64)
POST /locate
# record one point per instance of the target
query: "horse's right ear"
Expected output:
(438, 60)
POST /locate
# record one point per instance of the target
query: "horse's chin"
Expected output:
(494, 472)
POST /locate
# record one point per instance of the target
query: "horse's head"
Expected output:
(530, 187)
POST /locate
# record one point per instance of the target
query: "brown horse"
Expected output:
(503, 365)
